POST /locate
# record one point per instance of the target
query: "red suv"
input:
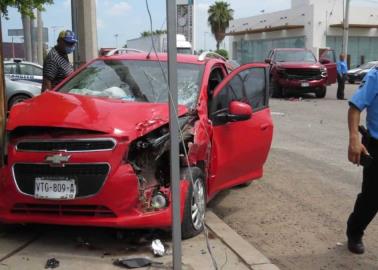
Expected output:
(298, 71)
(94, 151)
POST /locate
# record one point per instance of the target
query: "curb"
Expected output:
(253, 258)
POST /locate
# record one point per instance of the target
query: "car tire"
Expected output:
(244, 185)
(195, 203)
(17, 99)
(321, 93)
(275, 90)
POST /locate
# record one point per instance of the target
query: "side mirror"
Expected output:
(239, 111)
(268, 61)
(324, 61)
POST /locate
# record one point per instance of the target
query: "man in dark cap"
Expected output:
(56, 66)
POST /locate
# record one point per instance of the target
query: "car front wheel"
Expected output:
(195, 203)
(16, 99)
(321, 93)
(274, 89)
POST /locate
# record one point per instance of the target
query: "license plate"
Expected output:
(305, 84)
(61, 189)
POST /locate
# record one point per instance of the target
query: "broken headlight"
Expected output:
(324, 72)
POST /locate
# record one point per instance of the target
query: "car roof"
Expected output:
(181, 58)
(22, 61)
(292, 49)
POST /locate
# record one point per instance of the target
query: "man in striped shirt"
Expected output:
(56, 66)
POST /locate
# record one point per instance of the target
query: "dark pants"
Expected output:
(341, 85)
(366, 205)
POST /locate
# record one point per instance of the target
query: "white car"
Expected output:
(18, 69)
(19, 91)
(357, 74)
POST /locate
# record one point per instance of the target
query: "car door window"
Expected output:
(26, 69)
(248, 86)
(329, 55)
(10, 68)
(255, 88)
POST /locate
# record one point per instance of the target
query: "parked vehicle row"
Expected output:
(94, 151)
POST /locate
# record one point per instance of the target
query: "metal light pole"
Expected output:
(346, 28)
(54, 28)
(116, 40)
(204, 40)
(174, 131)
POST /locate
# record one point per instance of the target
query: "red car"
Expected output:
(94, 151)
(298, 71)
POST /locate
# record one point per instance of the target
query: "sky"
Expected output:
(128, 18)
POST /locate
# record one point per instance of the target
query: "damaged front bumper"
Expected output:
(117, 204)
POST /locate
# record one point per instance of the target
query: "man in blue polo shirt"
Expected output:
(342, 70)
(366, 205)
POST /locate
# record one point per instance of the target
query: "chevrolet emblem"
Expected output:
(57, 160)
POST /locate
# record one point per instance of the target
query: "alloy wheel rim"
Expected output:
(198, 204)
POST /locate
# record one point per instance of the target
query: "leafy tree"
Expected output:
(222, 52)
(25, 7)
(220, 15)
(149, 33)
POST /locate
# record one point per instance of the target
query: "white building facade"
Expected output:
(313, 24)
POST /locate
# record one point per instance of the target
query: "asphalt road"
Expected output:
(296, 215)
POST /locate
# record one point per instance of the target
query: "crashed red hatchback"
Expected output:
(95, 150)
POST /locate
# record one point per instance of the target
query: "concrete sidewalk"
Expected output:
(83, 248)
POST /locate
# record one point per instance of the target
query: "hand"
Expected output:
(355, 150)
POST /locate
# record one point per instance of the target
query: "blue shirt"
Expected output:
(341, 67)
(367, 97)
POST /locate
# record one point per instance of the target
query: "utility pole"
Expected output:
(346, 28)
(27, 37)
(174, 131)
(39, 38)
(33, 34)
(85, 27)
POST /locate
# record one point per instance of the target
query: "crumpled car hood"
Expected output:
(298, 65)
(115, 117)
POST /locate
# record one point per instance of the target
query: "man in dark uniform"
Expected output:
(366, 205)
(56, 66)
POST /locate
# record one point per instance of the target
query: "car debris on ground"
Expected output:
(52, 263)
(158, 248)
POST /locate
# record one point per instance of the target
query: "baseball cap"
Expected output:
(68, 36)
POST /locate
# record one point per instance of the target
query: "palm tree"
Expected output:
(220, 15)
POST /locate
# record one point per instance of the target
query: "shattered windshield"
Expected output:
(139, 81)
(294, 56)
